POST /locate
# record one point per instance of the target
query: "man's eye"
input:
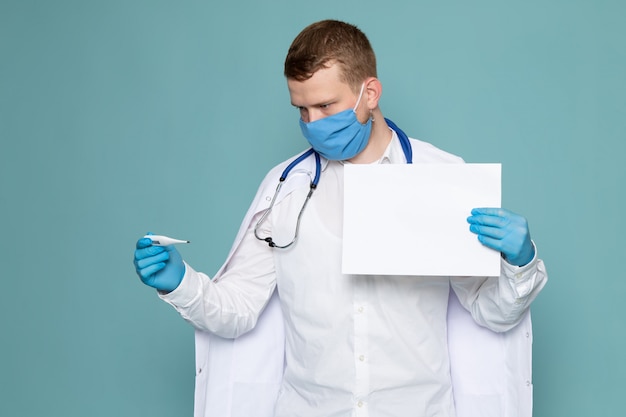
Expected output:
(324, 106)
(302, 111)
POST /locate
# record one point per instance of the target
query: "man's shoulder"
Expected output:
(425, 152)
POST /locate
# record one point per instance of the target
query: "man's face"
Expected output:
(323, 95)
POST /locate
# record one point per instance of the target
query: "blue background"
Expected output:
(121, 117)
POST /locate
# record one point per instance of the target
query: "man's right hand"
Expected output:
(160, 267)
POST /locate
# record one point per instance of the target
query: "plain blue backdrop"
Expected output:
(122, 117)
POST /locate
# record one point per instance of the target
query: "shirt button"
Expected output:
(359, 404)
(360, 309)
(362, 358)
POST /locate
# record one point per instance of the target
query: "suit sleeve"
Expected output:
(230, 306)
(499, 303)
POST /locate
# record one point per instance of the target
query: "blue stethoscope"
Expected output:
(406, 148)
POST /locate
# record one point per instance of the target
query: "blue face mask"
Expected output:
(338, 137)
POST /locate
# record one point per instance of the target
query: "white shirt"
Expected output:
(355, 345)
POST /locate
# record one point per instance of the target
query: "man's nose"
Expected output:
(315, 114)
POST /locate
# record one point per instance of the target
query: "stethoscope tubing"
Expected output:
(406, 148)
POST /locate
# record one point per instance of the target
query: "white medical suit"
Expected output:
(348, 345)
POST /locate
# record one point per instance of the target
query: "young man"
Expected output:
(353, 345)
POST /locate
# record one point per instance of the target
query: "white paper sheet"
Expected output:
(411, 219)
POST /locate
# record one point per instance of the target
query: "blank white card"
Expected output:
(410, 219)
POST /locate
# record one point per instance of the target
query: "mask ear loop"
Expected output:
(360, 96)
(359, 101)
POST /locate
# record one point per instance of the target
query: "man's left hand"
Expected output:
(504, 231)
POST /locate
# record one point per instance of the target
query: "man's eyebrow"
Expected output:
(321, 103)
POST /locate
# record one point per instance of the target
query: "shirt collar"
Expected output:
(393, 153)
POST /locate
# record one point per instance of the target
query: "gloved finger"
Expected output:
(151, 260)
(495, 244)
(492, 232)
(150, 271)
(148, 252)
(174, 254)
(493, 221)
(490, 211)
(144, 242)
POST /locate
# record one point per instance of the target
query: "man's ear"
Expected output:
(373, 91)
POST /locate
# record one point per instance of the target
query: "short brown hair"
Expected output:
(326, 42)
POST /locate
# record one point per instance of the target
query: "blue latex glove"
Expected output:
(504, 231)
(160, 267)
